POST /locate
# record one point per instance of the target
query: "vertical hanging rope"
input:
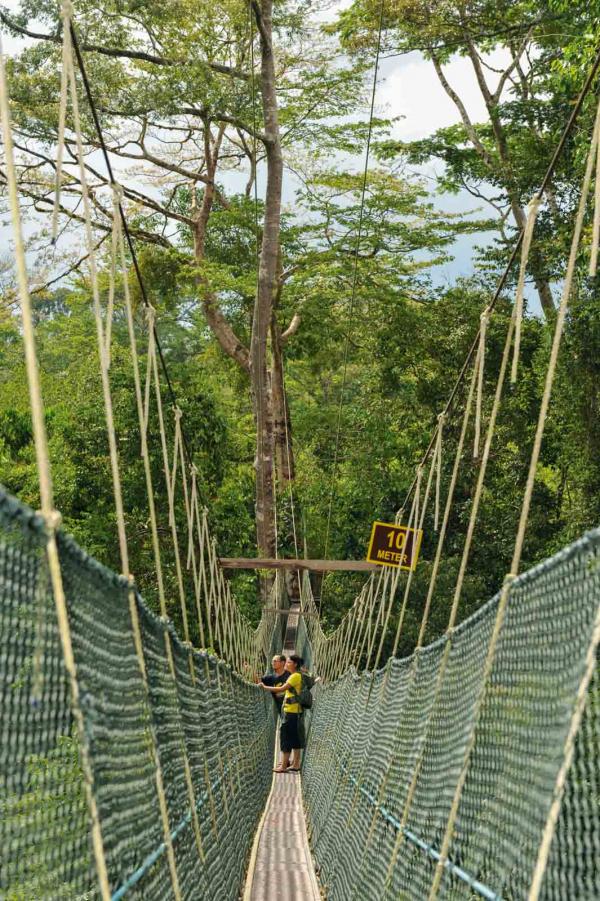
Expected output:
(51, 516)
(66, 11)
(480, 365)
(596, 223)
(111, 282)
(532, 212)
(438, 469)
(505, 594)
(449, 501)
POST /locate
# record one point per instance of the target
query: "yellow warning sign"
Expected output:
(393, 545)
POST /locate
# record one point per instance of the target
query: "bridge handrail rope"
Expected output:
(477, 350)
(152, 383)
(50, 515)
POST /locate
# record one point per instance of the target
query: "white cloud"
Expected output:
(410, 88)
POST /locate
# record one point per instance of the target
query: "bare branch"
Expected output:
(469, 127)
(291, 329)
(218, 116)
(513, 65)
(73, 268)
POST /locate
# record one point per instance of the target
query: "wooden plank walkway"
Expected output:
(281, 868)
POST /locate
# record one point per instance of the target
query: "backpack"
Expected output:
(304, 697)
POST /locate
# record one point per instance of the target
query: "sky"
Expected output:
(407, 90)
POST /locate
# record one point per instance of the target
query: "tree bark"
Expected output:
(266, 288)
(285, 465)
(221, 329)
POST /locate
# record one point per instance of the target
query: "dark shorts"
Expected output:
(291, 732)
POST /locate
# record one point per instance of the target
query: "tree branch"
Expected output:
(118, 52)
(513, 65)
(469, 127)
(225, 117)
(291, 329)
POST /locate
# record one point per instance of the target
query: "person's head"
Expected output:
(278, 663)
(293, 663)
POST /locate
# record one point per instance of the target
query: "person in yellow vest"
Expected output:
(291, 731)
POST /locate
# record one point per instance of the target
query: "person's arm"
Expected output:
(277, 689)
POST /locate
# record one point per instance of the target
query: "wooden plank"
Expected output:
(289, 611)
(314, 566)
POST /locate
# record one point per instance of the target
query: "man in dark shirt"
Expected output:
(279, 676)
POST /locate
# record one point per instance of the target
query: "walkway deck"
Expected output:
(282, 867)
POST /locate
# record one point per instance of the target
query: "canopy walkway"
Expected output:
(384, 755)
(281, 869)
(136, 758)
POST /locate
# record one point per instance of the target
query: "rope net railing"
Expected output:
(369, 733)
(464, 769)
(189, 705)
(126, 769)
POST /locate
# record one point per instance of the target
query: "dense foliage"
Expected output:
(376, 329)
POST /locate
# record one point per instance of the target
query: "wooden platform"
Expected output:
(313, 566)
(281, 868)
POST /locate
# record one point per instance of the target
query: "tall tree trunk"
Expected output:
(254, 361)
(285, 465)
(267, 281)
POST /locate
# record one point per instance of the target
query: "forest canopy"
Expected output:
(309, 339)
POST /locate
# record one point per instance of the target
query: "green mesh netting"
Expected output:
(225, 725)
(367, 734)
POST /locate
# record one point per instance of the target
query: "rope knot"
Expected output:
(177, 412)
(150, 314)
(509, 578)
(53, 520)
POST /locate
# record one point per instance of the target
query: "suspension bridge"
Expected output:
(136, 760)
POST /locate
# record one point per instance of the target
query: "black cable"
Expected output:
(136, 266)
(354, 281)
